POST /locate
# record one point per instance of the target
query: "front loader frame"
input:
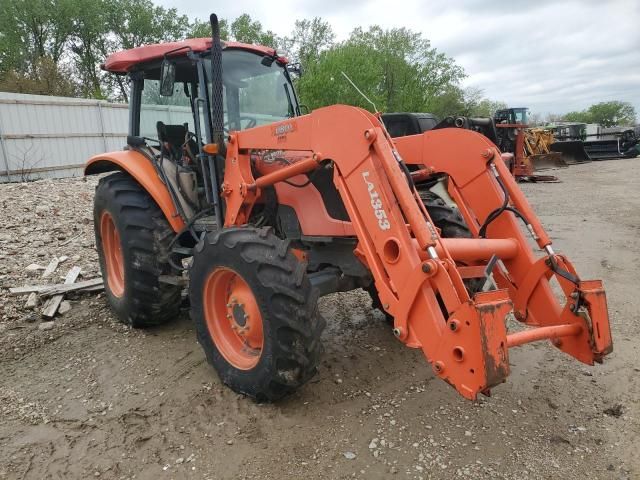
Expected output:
(421, 279)
(418, 275)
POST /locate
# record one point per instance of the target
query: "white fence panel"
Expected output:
(45, 137)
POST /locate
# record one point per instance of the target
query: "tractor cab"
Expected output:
(512, 116)
(256, 91)
(171, 82)
(172, 117)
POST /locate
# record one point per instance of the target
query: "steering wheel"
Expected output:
(252, 122)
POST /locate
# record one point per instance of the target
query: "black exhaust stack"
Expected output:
(211, 166)
(217, 112)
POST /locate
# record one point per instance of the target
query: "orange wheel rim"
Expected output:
(112, 250)
(233, 318)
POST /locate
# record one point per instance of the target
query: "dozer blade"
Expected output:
(545, 161)
(572, 151)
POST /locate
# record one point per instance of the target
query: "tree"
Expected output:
(323, 83)
(33, 29)
(579, 117)
(200, 29)
(397, 69)
(105, 26)
(76, 35)
(448, 102)
(307, 41)
(476, 105)
(90, 44)
(607, 114)
(245, 30)
(43, 77)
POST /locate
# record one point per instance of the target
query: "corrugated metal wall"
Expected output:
(45, 137)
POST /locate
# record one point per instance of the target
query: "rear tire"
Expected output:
(255, 312)
(132, 239)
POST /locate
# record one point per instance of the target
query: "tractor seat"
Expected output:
(174, 140)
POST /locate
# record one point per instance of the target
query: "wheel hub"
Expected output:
(239, 315)
(233, 318)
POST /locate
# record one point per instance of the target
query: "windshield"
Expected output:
(521, 114)
(255, 92)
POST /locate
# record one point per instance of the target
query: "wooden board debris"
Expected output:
(48, 290)
(61, 288)
(53, 264)
(52, 305)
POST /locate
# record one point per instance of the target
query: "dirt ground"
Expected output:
(89, 397)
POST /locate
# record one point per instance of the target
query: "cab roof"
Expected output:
(124, 61)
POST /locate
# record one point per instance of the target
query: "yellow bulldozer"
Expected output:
(531, 147)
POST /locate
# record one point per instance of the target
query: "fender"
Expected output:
(139, 167)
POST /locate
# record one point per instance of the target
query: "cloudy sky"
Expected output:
(552, 56)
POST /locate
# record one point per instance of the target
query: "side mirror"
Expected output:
(295, 69)
(167, 78)
(304, 109)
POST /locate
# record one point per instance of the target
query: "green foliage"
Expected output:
(580, 117)
(397, 69)
(607, 114)
(202, 29)
(33, 29)
(44, 77)
(307, 41)
(77, 35)
(139, 22)
(246, 30)
(476, 105)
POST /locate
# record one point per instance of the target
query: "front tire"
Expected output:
(255, 312)
(133, 238)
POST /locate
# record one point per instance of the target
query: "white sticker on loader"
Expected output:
(376, 203)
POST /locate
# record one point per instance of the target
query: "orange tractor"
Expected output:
(226, 186)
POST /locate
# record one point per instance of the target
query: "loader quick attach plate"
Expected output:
(473, 354)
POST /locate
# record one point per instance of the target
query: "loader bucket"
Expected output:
(572, 151)
(545, 161)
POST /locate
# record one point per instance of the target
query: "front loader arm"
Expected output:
(415, 270)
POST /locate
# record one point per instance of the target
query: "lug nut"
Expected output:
(397, 331)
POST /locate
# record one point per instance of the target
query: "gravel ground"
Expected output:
(89, 397)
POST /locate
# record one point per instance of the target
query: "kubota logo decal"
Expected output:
(376, 203)
(283, 129)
